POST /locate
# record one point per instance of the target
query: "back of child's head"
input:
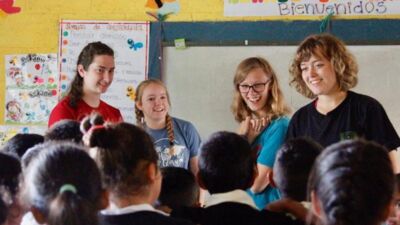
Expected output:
(18, 144)
(178, 188)
(353, 182)
(123, 152)
(226, 163)
(293, 165)
(64, 130)
(63, 184)
(10, 171)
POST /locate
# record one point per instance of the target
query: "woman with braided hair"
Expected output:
(352, 183)
(177, 141)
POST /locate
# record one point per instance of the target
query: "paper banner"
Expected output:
(293, 9)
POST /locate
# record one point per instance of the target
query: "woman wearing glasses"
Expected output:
(258, 105)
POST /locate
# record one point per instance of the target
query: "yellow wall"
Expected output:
(35, 28)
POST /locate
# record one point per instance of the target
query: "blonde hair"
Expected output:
(139, 113)
(275, 105)
(334, 50)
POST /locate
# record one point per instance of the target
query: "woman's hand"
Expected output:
(251, 128)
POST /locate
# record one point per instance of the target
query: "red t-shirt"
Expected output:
(64, 111)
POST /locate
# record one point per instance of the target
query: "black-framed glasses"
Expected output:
(257, 87)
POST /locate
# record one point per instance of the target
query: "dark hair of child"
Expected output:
(20, 143)
(178, 188)
(353, 181)
(124, 151)
(63, 185)
(10, 171)
(64, 130)
(293, 165)
(226, 163)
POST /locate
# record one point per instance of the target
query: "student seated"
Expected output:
(227, 167)
(20, 143)
(127, 160)
(291, 170)
(352, 183)
(394, 218)
(64, 130)
(178, 188)
(11, 210)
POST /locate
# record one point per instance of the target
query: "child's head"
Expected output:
(352, 183)
(95, 69)
(127, 159)
(64, 130)
(18, 144)
(63, 186)
(10, 208)
(226, 163)
(394, 218)
(330, 48)
(292, 167)
(257, 89)
(152, 101)
(178, 188)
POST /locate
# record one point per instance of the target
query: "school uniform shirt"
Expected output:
(358, 116)
(142, 214)
(233, 208)
(186, 144)
(64, 111)
(267, 145)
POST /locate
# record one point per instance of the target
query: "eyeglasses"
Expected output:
(258, 87)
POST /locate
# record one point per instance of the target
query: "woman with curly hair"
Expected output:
(324, 70)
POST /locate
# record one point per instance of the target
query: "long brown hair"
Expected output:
(275, 105)
(85, 58)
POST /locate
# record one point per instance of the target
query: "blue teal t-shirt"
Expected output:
(267, 145)
(186, 144)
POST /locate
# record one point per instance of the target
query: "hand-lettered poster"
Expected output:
(31, 88)
(298, 9)
(130, 42)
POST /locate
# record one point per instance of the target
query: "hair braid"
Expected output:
(170, 130)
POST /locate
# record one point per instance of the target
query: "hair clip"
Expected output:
(68, 187)
(95, 127)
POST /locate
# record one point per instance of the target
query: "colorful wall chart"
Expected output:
(310, 8)
(130, 42)
(31, 88)
(9, 131)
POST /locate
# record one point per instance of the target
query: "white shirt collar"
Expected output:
(114, 210)
(237, 196)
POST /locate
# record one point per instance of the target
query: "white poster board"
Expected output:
(130, 42)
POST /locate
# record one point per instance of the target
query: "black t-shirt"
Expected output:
(141, 218)
(358, 116)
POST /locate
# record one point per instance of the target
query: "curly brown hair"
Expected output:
(335, 51)
(275, 105)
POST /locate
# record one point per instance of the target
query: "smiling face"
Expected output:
(99, 75)
(319, 76)
(154, 102)
(256, 99)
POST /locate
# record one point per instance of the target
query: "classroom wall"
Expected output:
(35, 29)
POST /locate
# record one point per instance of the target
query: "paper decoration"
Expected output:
(180, 43)
(8, 7)
(31, 88)
(307, 8)
(130, 42)
(163, 8)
